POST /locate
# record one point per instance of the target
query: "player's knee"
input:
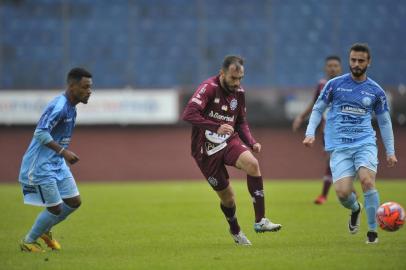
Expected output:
(74, 202)
(343, 194)
(367, 184)
(253, 167)
(56, 210)
(228, 202)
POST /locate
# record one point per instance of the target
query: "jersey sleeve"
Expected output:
(326, 94)
(381, 104)
(242, 126)
(193, 112)
(50, 118)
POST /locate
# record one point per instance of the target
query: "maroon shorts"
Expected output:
(213, 167)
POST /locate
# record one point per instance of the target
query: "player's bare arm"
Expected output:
(69, 156)
(301, 117)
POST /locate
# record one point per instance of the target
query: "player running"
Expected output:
(45, 178)
(221, 136)
(332, 68)
(350, 138)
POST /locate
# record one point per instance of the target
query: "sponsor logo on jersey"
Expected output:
(351, 130)
(366, 101)
(346, 119)
(367, 94)
(353, 110)
(224, 108)
(233, 104)
(217, 100)
(344, 89)
(212, 181)
(221, 117)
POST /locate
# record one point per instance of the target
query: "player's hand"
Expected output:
(297, 123)
(391, 160)
(309, 141)
(225, 129)
(70, 157)
(256, 148)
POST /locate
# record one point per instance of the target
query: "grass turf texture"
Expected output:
(178, 225)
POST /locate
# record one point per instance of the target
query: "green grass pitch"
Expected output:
(178, 225)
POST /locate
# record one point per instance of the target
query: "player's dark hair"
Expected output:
(333, 57)
(76, 74)
(361, 47)
(232, 60)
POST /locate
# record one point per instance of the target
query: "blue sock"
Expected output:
(350, 202)
(66, 211)
(41, 224)
(371, 198)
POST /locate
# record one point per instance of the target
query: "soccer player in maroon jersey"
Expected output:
(332, 69)
(221, 136)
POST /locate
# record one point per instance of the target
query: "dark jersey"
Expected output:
(319, 88)
(317, 93)
(212, 106)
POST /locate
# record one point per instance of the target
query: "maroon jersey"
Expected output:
(212, 106)
(319, 88)
(317, 93)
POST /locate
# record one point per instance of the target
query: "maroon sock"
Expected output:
(231, 218)
(326, 186)
(256, 189)
(327, 180)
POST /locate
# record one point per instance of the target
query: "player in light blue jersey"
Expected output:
(350, 138)
(45, 178)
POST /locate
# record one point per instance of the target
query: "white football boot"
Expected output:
(265, 225)
(241, 239)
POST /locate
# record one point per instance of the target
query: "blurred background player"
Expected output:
(350, 137)
(45, 178)
(221, 136)
(332, 68)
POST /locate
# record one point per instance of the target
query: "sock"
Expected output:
(371, 201)
(66, 211)
(327, 181)
(44, 220)
(231, 218)
(256, 189)
(350, 202)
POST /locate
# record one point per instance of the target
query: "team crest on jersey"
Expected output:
(366, 101)
(233, 104)
(224, 108)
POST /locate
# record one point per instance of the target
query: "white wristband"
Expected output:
(60, 151)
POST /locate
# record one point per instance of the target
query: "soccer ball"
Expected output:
(390, 216)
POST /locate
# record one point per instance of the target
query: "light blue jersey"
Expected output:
(41, 164)
(348, 122)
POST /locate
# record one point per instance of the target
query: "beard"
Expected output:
(229, 88)
(358, 72)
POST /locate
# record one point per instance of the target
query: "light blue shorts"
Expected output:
(346, 162)
(50, 193)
